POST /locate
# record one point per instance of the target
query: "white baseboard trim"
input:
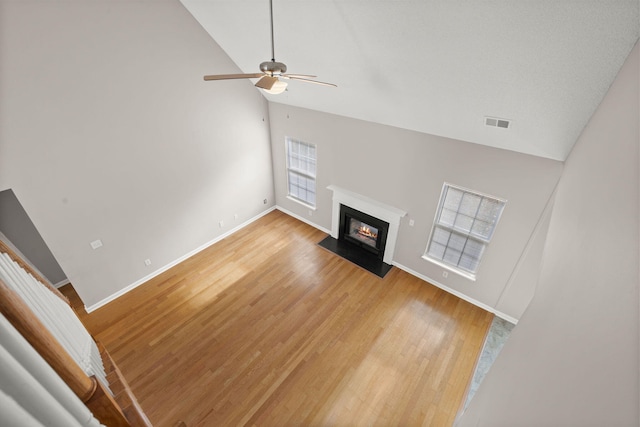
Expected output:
(174, 263)
(418, 275)
(161, 270)
(303, 219)
(61, 283)
(457, 293)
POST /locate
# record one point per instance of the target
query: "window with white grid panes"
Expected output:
(301, 171)
(464, 224)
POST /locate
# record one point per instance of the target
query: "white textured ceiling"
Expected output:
(439, 66)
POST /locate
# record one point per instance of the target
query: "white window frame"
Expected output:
(481, 242)
(308, 174)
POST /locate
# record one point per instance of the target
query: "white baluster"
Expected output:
(56, 315)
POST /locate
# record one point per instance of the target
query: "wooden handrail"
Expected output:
(32, 329)
(88, 389)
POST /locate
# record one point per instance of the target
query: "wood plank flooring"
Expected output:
(265, 328)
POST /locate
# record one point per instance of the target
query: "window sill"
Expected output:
(464, 274)
(308, 206)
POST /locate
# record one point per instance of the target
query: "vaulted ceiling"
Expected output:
(439, 66)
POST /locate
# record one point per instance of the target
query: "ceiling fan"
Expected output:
(272, 71)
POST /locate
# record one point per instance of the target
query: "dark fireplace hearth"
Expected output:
(362, 239)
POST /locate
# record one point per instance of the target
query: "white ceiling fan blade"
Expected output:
(233, 76)
(312, 81)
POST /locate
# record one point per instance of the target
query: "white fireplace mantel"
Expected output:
(369, 206)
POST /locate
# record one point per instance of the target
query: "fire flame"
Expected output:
(366, 231)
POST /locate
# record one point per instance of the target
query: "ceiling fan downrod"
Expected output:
(273, 49)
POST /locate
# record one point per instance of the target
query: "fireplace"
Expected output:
(363, 230)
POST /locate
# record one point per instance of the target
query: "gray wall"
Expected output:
(16, 225)
(109, 132)
(573, 358)
(406, 169)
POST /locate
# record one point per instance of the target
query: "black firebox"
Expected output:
(363, 230)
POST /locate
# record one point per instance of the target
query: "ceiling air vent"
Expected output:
(497, 123)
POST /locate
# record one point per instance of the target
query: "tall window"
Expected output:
(463, 228)
(301, 171)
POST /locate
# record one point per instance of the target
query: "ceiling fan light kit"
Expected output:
(277, 88)
(271, 72)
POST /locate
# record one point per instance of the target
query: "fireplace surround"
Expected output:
(376, 218)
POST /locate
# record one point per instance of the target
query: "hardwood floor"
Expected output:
(266, 328)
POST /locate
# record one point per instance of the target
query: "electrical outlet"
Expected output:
(147, 262)
(96, 244)
(221, 224)
(411, 223)
(235, 216)
(445, 274)
(264, 202)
